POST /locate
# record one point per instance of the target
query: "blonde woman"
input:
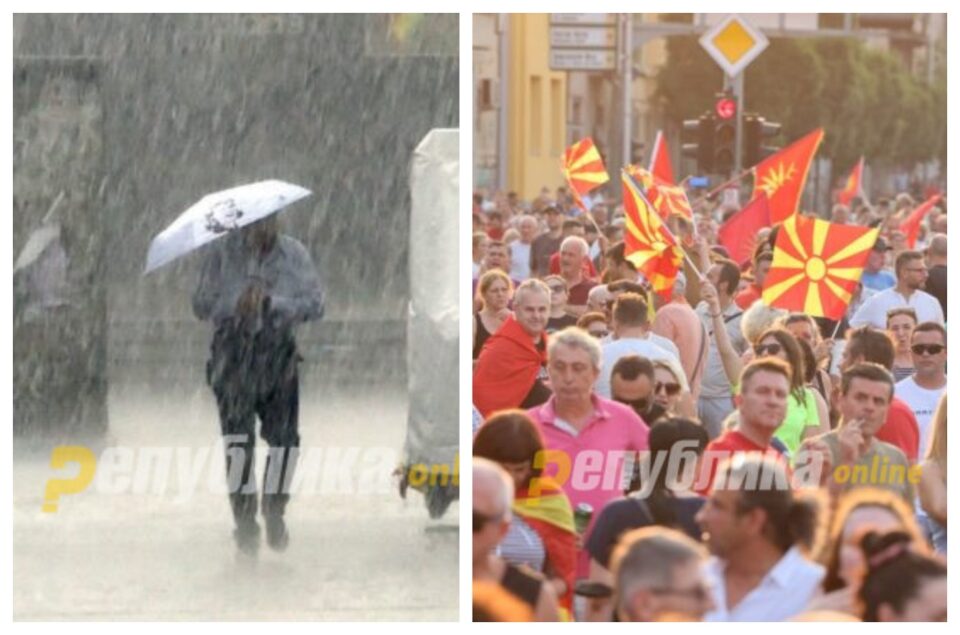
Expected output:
(933, 481)
(559, 294)
(494, 291)
(671, 390)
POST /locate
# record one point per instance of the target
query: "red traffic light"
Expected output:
(726, 108)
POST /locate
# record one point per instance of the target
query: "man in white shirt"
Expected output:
(923, 389)
(630, 326)
(758, 573)
(520, 249)
(912, 274)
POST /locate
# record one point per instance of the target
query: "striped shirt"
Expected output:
(522, 545)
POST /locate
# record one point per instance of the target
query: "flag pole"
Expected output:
(576, 197)
(665, 227)
(580, 204)
(836, 328)
(722, 186)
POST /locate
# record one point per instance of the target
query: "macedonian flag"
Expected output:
(668, 199)
(660, 163)
(783, 175)
(648, 243)
(816, 266)
(854, 184)
(583, 167)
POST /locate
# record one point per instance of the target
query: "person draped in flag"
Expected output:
(509, 371)
(542, 535)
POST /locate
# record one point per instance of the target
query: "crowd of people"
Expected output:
(695, 454)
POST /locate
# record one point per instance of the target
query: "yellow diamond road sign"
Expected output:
(733, 44)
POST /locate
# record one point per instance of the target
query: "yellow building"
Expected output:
(536, 108)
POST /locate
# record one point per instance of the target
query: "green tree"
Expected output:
(866, 100)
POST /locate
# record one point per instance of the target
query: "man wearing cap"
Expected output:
(875, 276)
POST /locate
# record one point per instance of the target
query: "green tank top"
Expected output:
(799, 417)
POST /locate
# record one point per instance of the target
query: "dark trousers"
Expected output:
(256, 376)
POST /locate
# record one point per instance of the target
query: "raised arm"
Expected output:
(732, 364)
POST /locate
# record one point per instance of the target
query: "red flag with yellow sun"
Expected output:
(816, 266)
(668, 199)
(783, 175)
(854, 184)
(648, 244)
(583, 168)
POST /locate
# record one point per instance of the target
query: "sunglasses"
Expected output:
(558, 289)
(600, 334)
(927, 349)
(767, 349)
(481, 520)
(671, 389)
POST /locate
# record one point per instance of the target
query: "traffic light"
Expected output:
(698, 141)
(724, 145)
(756, 130)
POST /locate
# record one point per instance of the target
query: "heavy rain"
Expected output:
(120, 124)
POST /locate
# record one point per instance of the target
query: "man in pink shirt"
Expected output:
(679, 323)
(589, 440)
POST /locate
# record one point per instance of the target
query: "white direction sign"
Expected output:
(733, 43)
(582, 60)
(596, 19)
(583, 37)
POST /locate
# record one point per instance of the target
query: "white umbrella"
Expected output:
(217, 214)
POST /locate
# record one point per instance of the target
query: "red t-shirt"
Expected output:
(748, 296)
(901, 429)
(579, 292)
(722, 448)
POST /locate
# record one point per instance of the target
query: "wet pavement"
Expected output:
(148, 556)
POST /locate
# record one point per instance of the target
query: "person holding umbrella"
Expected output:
(256, 286)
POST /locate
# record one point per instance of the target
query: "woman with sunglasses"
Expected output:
(494, 290)
(807, 414)
(542, 534)
(900, 324)
(559, 318)
(671, 391)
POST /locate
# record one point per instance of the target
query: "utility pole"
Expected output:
(503, 62)
(737, 83)
(627, 83)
